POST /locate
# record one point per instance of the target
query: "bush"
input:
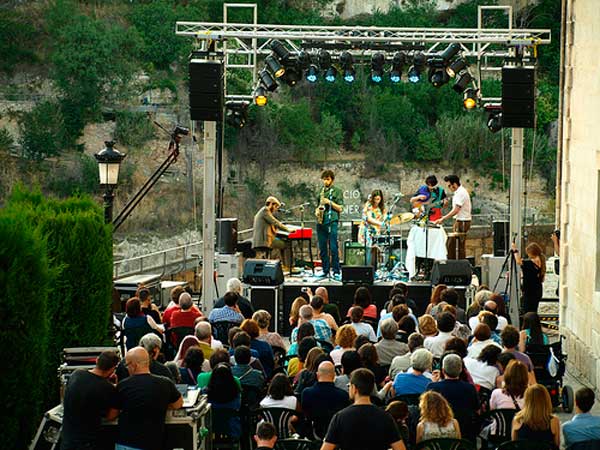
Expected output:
(80, 177)
(133, 128)
(16, 37)
(42, 131)
(6, 140)
(24, 284)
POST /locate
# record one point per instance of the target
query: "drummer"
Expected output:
(373, 218)
(430, 196)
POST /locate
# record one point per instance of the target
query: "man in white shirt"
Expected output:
(461, 211)
(437, 344)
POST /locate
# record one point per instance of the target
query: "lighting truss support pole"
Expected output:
(208, 217)
(516, 211)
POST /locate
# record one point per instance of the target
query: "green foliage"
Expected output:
(24, 284)
(6, 140)
(80, 177)
(42, 131)
(300, 190)
(16, 37)
(133, 128)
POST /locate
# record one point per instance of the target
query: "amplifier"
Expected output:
(263, 272)
(455, 272)
(355, 254)
(358, 275)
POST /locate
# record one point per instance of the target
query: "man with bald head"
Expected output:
(328, 307)
(143, 399)
(322, 400)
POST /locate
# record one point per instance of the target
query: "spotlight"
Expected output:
(397, 65)
(450, 52)
(331, 74)
(260, 96)
(438, 76)
(267, 80)
(237, 113)
(292, 74)
(494, 122)
(324, 59)
(456, 66)
(312, 74)
(377, 62)
(280, 51)
(414, 72)
(274, 66)
(303, 60)
(470, 99)
(462, 81)
(349, 72)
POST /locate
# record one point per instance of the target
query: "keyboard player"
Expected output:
(265, 229)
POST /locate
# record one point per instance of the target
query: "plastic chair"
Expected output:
(523, 444)
(445, 444)
(297, 444)
(221, 330)
(325, 345)
(221, 428)
(502, 419)
(585, 445)
(281, 418)
(173, 337)
(130, 337)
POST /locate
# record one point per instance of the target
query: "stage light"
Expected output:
(267, 80)
(438, 76)
(237, 113)
(312, 74)
(292, 74)
(414, 72)
(462, 81)
(303, 60)
(280, 51)
(456, 66)
(347, 61)
(494, 122)
(331, 74)
(397, 66)
(274, 66)
(324, 59)
(260, 96)
(450, 52)
(470, 98)
(377, 62)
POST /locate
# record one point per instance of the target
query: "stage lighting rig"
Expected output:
(414, 72)
(462, 81)
(274, 66)
(331, 74)
(456, 67)
(494, 120)
(470, 98)
(437, 73)
(282, 53)
(347, 62)
(260, 96)
(450, 52)
(377, 62)
(312, 74)
(397, 66)
(267, 80)
(236, 113)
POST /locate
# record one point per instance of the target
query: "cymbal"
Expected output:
(401, 218)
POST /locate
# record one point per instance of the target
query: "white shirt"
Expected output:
(482, 373)
(365, 329)
(475, 348)
(437, 344)
(502, 322)
(289, 402)
(462, 199)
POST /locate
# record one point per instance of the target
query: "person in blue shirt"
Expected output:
(414, 381)
(583, 426)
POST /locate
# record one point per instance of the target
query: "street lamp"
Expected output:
(109, 162)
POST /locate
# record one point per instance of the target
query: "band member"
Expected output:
(429, 197)
(265, 228)
(373, 219)
(461, 211)
(330, 201)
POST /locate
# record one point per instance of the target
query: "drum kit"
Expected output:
(390, 250)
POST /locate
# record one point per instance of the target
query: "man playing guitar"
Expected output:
(429, 200)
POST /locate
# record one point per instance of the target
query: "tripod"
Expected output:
(513, 274)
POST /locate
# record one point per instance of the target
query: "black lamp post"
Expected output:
(109, 162)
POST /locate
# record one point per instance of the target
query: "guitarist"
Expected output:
(430, 197)
(330, 203)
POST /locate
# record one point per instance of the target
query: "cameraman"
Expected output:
(533, 270)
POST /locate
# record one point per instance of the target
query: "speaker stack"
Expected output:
(500, 237)
(518, 97)
(265, 279)
(226, 235)
(206, 90)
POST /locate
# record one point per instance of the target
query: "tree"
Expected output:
(42, 131)
(16, 37)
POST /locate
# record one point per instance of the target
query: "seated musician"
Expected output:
(430, 196)
(265, 228)
(374, 213)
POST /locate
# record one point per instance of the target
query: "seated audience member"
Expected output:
(305, 330)
(90, 396)
(414, 381)
(173, 304)
(322, 330)
(402, 288)
(493, 307)
(134, 318)
(295, 311)
(265, 436)
(186, 343)
(223, 392)
(461, 330)
(344, 341)
(491, 321)
(504, 359)
(228, 313)
(143, 399)
(437, 420)
(402, 363)
(406, 327)
(361, 328)
(583, 426)
(191, 366)
(427, 326)
(148, 308)
(535, 422)
(308, 375)
(482, 296)
(510, 342)
(450, 297)
(203, 332)
(241, 338)
(317, 303)
(328, 307)
(435, 298)
(350, 362)
(242, 369)
(297, 364)
(458, 347)
(461, 395)
(361, 340)
(445, 326)
(265, 352)
(235, 286)
(531, 331)
(185, 316)
(322, 400)
(263, 319)
(218, 357)
(481, 339)
(399, 411)
(484, 369)
(510, 396)
(280, 394)
(389, 347)
(152, 344)
(347, 427)
(397, 301)
(370, 360)
(362, 298)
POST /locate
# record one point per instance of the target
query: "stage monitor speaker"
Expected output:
(226, 235)
(263, 272)
(358, 274)
(206, 90)
(452, 272)
(269, 298)
(355, 254)
(518, 97)
(500, 237)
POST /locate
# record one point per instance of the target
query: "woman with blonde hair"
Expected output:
(435, 297)
(295, 310)
(437, 419)
(344, 341)
(533, 272)
(535, 422)
(263, 319)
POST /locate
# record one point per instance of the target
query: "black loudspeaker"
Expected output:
(355, 254)
(269, 298)
(358, 275)
(263, 272)
(206, 90)
(452, 272)
(518, 97)
(226, 235)
(500, 236)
